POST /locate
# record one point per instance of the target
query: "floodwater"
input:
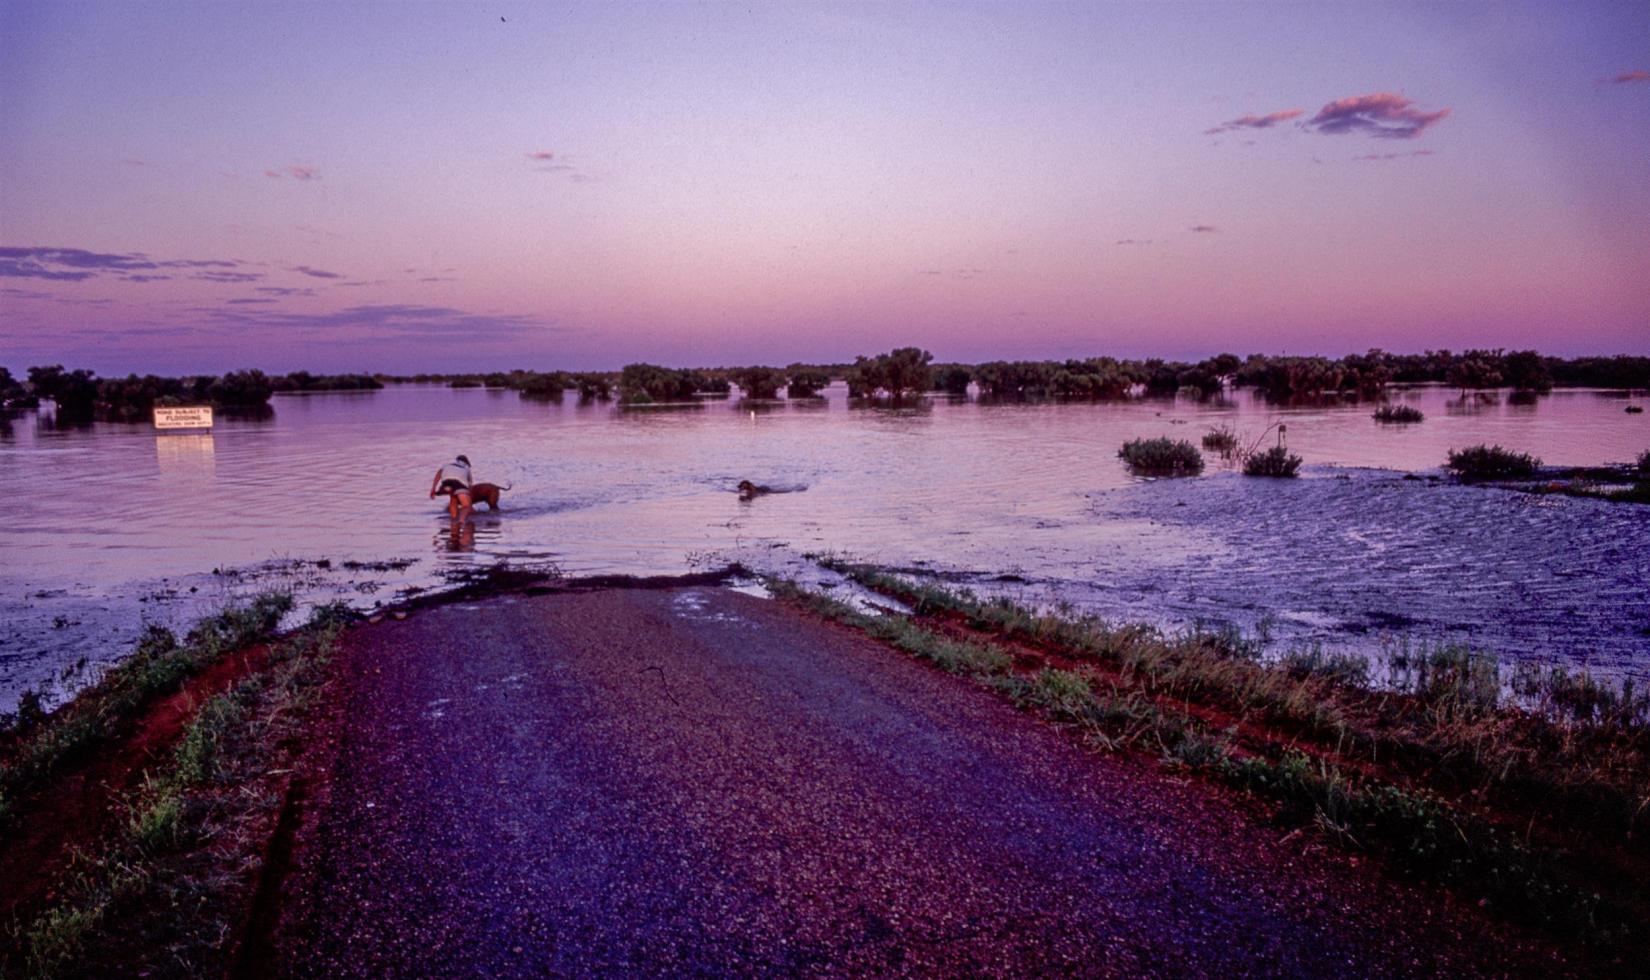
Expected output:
(328, 495)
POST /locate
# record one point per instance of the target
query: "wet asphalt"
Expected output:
(697, 782)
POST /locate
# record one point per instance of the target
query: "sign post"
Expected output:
(184, 417)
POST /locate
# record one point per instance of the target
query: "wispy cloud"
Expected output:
(1266, 121)
(285, 290)
(247, 302)
(78, 264)
(1134, 241)
(217, 276)
(562, 166)
(296, 171)
(438, 279)
(1387, 115)
(393, 320)
(1394, 156)
(317, 273)
(1628, 77)
(1205, 229)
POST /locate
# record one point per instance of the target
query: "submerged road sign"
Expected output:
(184, 417)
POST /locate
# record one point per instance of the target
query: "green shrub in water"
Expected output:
(1162, 457)
(1398, 414)
(1222, 440)
(1491, 463)
(1276, 461)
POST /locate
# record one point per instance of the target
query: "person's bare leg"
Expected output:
(463, 502)
(452, 506)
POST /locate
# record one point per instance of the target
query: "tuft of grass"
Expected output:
(1162, 457)
(1398, 414)
(1491, 463)
(1222, 440)
(156, 823)
(1341, 668)
(1277, 461)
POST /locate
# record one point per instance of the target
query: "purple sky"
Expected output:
(403, 187)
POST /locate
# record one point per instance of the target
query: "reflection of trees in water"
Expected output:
(1472, 403)
(248, 413)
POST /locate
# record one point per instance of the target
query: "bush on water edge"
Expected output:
(1491, 463)
(1276, 461)
(1162, 457)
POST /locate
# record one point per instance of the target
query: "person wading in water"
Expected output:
(454, 480)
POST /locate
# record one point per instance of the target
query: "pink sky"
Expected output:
(421, 187)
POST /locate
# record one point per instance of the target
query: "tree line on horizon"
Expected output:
(899, 374)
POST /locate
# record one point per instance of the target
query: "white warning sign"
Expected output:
(184, 417)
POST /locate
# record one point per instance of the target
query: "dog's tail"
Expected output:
(505, 486)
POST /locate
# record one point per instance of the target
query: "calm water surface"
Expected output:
(1024, 498)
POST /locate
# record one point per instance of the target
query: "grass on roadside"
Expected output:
(165, 891)
(1425, 767)
(158, 665)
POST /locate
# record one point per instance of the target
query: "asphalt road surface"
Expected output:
(694, 781)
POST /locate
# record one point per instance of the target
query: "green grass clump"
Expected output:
(1276, 461)
(1222, 440)
(1398, 414)
(1315, 661)
(1491, 463)
(1162, 457)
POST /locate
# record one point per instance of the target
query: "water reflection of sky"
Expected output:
(134, 520)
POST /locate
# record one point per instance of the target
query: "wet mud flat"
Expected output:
(60, 638)
(1359, 559)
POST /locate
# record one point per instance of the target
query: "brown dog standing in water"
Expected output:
(487, 493)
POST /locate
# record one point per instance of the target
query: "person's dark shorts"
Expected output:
(453, 486)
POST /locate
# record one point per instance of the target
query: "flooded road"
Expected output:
(328, 495)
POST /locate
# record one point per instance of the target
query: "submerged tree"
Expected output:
(898, 374)
(758, 382)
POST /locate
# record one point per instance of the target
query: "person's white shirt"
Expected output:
(455, 471)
